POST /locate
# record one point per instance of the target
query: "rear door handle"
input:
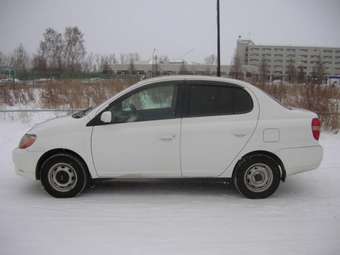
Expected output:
(167, 138)
(240, 133)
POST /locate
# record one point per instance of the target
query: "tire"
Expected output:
(64, 175)
(257, 176)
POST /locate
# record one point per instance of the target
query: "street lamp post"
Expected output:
(218, 40)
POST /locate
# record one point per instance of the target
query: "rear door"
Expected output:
(217, 123)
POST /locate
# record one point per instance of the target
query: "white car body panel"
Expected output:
(203, 153)
(295, 133)
(198, 147)
(144, 149)
(59, 133)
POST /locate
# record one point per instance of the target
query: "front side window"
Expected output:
(209, 100)
(153, 103)
(160, 97)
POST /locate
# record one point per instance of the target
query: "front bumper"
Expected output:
(25, 162)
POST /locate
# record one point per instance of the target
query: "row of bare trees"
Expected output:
(56, 52)
(75, 94)
(60, 53)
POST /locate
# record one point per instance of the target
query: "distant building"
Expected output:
(168, 68)
(278, 58)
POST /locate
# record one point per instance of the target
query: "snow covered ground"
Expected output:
(302, 217)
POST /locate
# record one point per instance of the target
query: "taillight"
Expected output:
(27, 140)
(316, 127)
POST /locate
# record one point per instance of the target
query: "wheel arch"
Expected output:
(49, 153)
(271, 155)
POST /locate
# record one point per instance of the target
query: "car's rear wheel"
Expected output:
(257, 176)
(63, 175)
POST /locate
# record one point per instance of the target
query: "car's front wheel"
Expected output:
(63, 175)
(257, 176)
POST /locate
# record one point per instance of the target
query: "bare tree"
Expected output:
(132, 69)
(318, 74)
(183, 69)
(301, 75)
(291, 71)
(236, 68)
(263, 71)
(111, 59)
(20, 59)
(210, 60)
(74, 49)
(105, 62)
(134, 57)
(4, 61)
(125, 59)
(98, 63)
(51, 49)
(2, 56)
(88, 64)
(39, 64)
(163, 59)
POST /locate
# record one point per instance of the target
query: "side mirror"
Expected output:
(106, 117)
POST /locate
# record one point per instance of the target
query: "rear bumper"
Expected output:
(25, 162)
(301, 159)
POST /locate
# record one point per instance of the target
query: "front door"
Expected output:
(143, 138)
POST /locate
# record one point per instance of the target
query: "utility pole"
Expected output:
(218, 40)
(154, 71)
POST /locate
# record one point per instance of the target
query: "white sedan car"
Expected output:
(175, 127)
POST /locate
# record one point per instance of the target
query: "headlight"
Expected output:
(27, 140)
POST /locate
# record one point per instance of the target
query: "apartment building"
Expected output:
(279, 57)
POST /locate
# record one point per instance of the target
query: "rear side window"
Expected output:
(242, 101)
(208, 100)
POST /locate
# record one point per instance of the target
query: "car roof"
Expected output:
(151, 81)
(192, 78)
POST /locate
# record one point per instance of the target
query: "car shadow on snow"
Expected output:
(162, 187)
(292, 188)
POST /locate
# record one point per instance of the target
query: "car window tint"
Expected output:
(242, 101)
(207, 100)
(154, 103)
(224, 103)
(202, 100)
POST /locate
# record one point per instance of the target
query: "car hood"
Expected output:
(56, 124)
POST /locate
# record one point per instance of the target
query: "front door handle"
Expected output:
(239, 134)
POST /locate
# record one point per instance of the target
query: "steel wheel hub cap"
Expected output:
(62, 177)
(258, 177)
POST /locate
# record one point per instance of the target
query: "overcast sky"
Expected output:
(173, 27)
